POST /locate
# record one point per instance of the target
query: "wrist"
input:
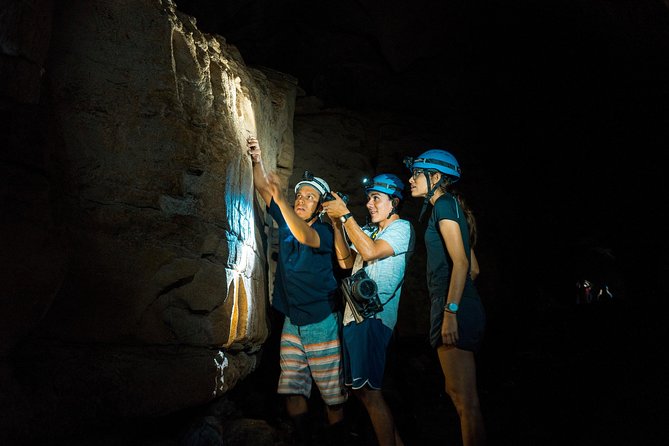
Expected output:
(451, 307)
(344, 218)
(344, 256)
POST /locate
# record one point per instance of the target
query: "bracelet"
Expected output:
(344, 257)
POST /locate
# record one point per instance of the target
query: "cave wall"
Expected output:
(153, 116)
(31, 241)
(133, 244)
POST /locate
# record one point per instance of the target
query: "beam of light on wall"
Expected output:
(242, 250)
(247, 310)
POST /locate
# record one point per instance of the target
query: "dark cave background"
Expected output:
(564, 107)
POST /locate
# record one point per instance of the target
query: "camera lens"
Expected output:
(365, 288)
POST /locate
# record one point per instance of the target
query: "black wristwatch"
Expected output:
(345, 217)
(451, 307)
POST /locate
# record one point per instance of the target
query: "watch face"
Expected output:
(452, 306)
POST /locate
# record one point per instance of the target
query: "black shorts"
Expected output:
(471, 322)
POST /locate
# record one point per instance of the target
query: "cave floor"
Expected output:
(576, 376)
(579, 375)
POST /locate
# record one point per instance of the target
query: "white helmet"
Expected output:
(317, 183)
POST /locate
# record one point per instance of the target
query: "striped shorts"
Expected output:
(312, 353)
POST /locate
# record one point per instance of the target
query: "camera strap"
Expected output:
(360, 264)
(373, 236)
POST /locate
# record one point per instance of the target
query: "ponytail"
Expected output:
(471, 220)
(469, 215)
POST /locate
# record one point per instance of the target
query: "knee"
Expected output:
(294, 399)
(465, 402)
(457, 394)
(335, 407)
(368, 396)
(296, 404)
(361, 394)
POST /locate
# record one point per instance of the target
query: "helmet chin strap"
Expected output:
(315, 214)
(430, 192)
(393, 211)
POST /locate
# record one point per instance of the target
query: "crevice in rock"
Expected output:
(177, 284)
(120, 203)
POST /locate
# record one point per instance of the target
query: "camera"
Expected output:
(363, 293)
(329, 197)
(321, 186)
(363, 287)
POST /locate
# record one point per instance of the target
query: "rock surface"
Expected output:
(135, 248)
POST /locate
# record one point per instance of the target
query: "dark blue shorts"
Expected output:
(471, 323)
(364, 348)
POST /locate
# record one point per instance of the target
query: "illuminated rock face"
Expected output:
(162, 272)
(154, 119)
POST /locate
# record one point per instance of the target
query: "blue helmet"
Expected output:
(386, 183)
(436, 159)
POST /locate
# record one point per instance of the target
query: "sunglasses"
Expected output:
(416, 173)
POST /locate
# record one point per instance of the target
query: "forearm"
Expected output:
(304, 233)
(260, 182)
(345, 256)
(457, 283)
(363, 243)
(452, 236)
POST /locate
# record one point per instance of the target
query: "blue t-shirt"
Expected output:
(304, 284)
(439, 263)
(388, 273)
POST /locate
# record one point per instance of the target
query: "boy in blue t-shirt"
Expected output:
(305, 291)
